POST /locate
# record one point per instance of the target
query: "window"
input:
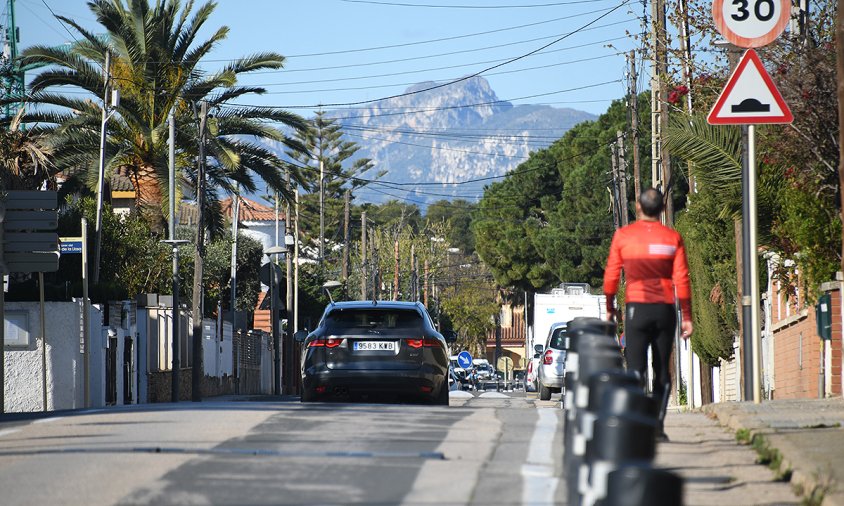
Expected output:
(17, 328)
(558, 339)
(374, 318)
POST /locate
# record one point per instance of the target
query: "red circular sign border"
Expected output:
(738, 40)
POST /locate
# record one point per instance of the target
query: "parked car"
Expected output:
(533, 370)
(552, 364)
(375, 348)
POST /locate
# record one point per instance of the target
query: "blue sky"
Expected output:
(344, 51)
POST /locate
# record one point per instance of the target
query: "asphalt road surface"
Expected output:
(485, 448)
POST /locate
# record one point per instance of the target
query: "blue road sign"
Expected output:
(70, 245)
(464, 359)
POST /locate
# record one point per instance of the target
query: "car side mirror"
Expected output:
(300, 336)
(538, 348)
(537, 355)
(450, 336)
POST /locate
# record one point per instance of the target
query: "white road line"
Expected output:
(48, 420)
(538, 480)
(8, 431)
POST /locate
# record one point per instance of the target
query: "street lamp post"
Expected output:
(290, 383)
(272, 252)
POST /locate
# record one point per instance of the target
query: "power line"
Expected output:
(445, 39)
(435, 6)
(465, 78)
(418, 71)
(322, 90)
(452, 53)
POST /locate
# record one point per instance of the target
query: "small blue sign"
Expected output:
(69, 247)
(464, 359)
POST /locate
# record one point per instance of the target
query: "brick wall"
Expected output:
(798, 351)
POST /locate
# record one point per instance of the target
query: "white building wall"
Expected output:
(65, 372)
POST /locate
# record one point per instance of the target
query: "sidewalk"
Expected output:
(803, 439)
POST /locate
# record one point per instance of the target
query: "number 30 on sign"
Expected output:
(751, 23)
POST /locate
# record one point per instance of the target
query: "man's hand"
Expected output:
(686, 329)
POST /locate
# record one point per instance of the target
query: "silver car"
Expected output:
(552, 363)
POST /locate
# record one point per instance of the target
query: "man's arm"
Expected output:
(612, 275)
(682, 285)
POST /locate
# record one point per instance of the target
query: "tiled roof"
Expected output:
(251, 210)
(120, 180)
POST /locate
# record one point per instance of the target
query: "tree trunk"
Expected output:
(839, 67)
(705, 383)
(149, 199)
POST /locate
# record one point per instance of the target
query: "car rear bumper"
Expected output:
(424, 382)
(549, 377)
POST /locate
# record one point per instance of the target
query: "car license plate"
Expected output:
(375, 346)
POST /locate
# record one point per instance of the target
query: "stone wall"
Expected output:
(160, 385)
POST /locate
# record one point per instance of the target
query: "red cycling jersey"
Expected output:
(654, 260)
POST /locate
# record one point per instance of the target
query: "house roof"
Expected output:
(120, 180)
(251, 210)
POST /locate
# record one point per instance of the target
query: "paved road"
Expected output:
(486, 448)
(478, 450)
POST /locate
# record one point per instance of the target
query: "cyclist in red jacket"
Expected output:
(654, 261)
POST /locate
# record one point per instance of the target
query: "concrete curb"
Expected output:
(806, 452)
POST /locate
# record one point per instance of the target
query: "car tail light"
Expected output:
(320, 389)
(548, 359)
(328, 343)
(426, 389)
(428, 342)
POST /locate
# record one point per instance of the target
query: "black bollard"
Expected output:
(618, 440)
(588, 364)
(641, 485)
(600, 383)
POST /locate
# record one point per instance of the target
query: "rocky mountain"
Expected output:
(449, 134)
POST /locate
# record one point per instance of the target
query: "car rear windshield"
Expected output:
(558, 339)
(374, 319)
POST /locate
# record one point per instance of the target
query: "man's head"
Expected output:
(651, 202)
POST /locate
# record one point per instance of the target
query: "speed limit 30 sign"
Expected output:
(751, 23)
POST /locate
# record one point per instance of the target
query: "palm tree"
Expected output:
(24, 158)
(155, 65)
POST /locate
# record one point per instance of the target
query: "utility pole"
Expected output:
(175, 345)
(425, 286)
(296, 262)
(346, 239)
(321, 208)
(414, 274)
(660, 167)
(199, 256)
(396, 273)
(616, 200)
(363, 245)
(14, 85)
(235, 223)
(634, 125)
(622, 180)
(98, 226)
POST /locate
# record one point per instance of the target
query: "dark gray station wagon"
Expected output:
(382, 348)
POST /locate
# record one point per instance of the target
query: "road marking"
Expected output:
(48, 420)
(538, 480)
(8, 431)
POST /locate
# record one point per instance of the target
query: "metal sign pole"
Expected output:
(86, 307)
(754, 264)
(747, 275)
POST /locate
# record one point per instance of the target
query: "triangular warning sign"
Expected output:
(750, 97)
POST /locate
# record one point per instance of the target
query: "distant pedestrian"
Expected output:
(654, 261)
